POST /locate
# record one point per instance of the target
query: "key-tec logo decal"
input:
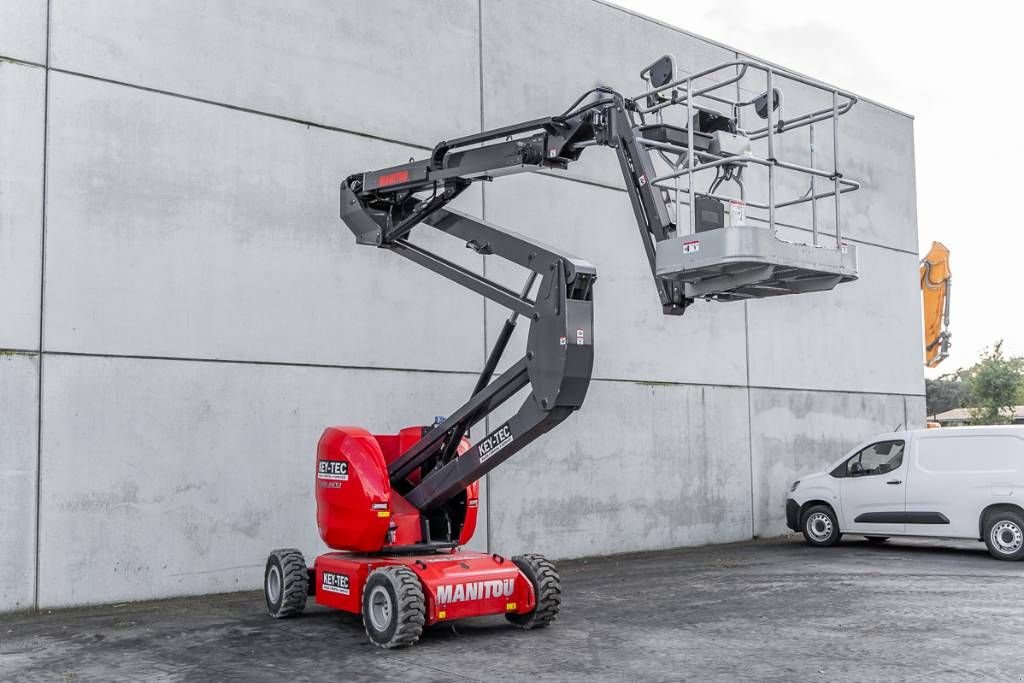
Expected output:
(475, 590)
(495, 441)
(335, 583)
(336, 470)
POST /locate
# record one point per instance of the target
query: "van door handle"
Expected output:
(894, 481)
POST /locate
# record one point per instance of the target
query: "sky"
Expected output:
(915, 56)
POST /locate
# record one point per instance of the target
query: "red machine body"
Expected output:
(360, 514)
(356, 508)
(456, 585)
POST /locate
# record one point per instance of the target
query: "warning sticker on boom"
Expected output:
(335, 470)
(691, 247)
(495, 441)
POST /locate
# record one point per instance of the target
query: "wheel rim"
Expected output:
(819, 526)
(1007, 537)
(380, 608)
(274, 584)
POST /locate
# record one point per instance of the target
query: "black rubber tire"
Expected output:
(547, 586)
(286, 597)
(875, 540)
(1013, 523)
(407, 608)
(816, 539)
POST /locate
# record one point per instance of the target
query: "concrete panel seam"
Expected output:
(750, 408)
(729, 48)
(750, 418)
(726, 385)
(483, 257)
(626, 380)
(480, 55)
(836, 391)
(22, 62)
(42, 318)
(913, 176)
(237, 361)
(233, 107)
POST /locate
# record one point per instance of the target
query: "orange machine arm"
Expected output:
(935, 286)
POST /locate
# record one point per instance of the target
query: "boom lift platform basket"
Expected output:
(396, 508)
(743, 260)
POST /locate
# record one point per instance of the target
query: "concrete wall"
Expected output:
(183, 312)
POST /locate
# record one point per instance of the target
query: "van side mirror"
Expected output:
(857, 469)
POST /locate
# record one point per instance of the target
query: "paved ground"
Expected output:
(764, 610)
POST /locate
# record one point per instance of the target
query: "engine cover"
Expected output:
(353, 493)
(356, 508)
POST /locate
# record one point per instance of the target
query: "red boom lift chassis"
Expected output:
(396, 508)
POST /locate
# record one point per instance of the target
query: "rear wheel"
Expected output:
(820, 526)
(1004, 534)
(394, 610)
(547, 587)
(285, 583)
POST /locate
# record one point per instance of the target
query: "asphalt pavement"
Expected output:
(762, 610)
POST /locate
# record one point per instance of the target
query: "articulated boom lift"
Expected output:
(397, 507)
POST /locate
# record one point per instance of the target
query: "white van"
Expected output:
(961, 482)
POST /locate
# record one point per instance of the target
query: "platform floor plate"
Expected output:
(749, 262)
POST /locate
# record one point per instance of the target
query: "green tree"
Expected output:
(996, 384)
(946, 392)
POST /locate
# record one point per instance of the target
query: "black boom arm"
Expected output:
(382, 207)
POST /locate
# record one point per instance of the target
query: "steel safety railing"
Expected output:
(683, 93)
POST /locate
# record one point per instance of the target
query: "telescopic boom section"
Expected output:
(382, 207)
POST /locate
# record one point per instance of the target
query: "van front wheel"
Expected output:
(1004, 535)
(820, 526)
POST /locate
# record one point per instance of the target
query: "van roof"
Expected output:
(936, 432)
(1016, 430)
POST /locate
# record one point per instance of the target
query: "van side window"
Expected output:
(878, 458)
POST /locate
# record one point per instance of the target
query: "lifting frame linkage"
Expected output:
(381, 208)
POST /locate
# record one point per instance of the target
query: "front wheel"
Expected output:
(547, 588)
(1004, 535)
(394, 609)
(820, 526)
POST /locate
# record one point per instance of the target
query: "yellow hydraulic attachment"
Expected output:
(935, 286)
